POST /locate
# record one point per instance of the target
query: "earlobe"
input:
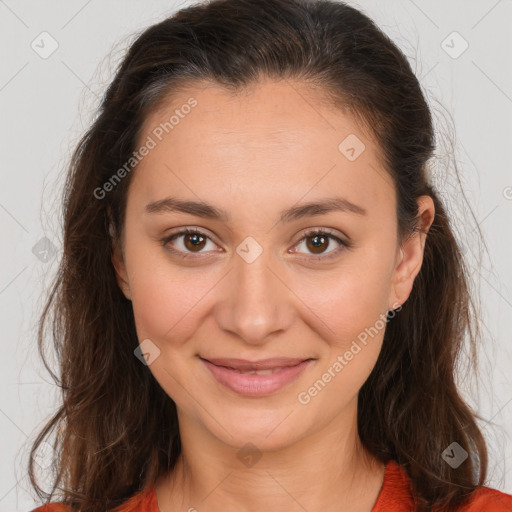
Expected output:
(411, 253)
(407, 269)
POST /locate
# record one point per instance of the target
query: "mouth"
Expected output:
(261, 367)
(256, 378)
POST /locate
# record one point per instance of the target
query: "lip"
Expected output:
(229, 374)
(262, 364)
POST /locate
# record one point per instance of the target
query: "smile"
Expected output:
(259, 378)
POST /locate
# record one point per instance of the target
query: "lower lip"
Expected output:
(254, 384)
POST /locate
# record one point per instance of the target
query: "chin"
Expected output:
(267, 430)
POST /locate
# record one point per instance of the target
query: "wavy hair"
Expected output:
(117, 430)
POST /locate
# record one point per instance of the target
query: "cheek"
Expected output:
(354, 309)
(169, 300)
(352, 303)
(162, 306)
(349, 299)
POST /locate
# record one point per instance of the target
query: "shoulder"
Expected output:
(144, 501)
(52, 507)
(396, 495)
(483, 499)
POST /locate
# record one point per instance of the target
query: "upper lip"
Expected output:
(262, 364)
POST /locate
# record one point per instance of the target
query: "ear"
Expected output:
(118, 261)
(410, 254)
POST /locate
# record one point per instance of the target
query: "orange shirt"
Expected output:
(394, 496)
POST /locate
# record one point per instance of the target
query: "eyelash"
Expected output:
(318, 232)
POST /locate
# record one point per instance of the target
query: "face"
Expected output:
(252, 282)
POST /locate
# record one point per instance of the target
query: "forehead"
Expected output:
(270, 141)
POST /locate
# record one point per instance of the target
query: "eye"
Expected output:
(317, 241)
(193, 242)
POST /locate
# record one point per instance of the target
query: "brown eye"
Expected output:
(193, 241)
(187, 242)
(317, 244)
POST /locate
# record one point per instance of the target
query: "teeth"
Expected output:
(262, 372)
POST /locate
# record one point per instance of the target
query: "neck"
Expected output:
(328, 470)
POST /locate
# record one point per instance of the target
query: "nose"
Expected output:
(258, 302)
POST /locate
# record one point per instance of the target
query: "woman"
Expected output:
(261, 301)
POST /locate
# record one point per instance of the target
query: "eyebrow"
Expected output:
(208, 211)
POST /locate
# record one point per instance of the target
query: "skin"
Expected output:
(272, 147)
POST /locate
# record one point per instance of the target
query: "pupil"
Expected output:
(194, 241)
(317, 242)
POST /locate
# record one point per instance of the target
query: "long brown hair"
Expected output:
(117, 429)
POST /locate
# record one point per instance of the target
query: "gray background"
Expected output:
(47, 101)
